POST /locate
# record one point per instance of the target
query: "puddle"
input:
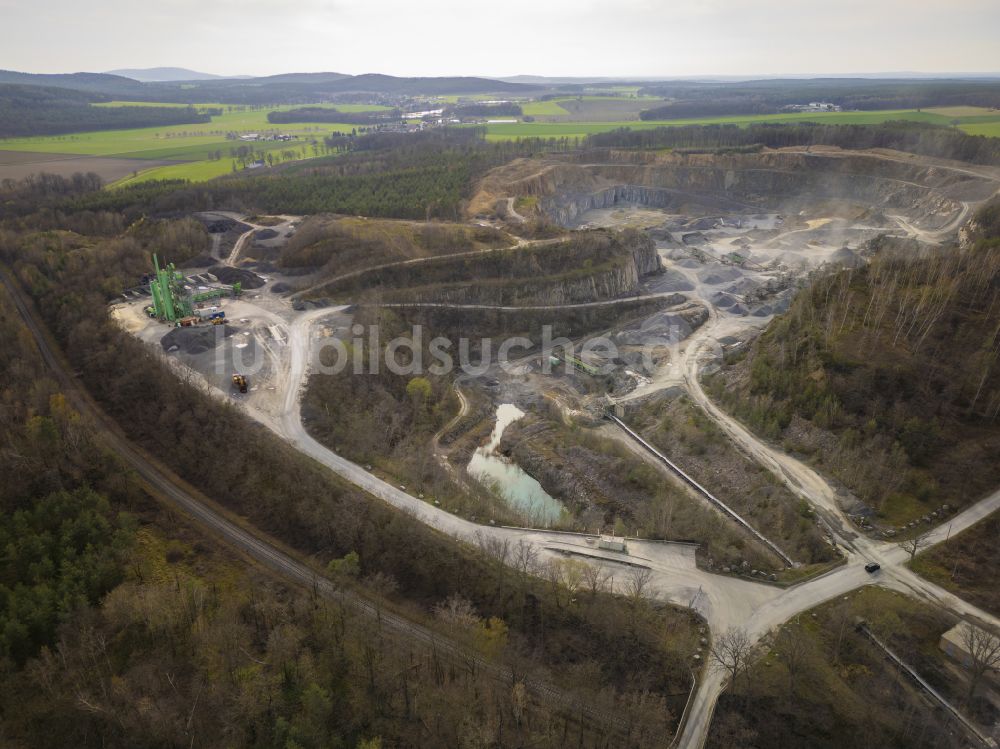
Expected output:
(519, 489)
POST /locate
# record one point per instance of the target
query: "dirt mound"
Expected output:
(202, 261)
(673, 280)
(222, 225)
(281, 287)
(265, 234)
(713, 276)
(720, 299)
(247, 278)
(196, 340)
(847, 257)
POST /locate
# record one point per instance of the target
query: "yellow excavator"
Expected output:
(240, 382)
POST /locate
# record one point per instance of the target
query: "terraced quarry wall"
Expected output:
(592, 266)
(780, 180)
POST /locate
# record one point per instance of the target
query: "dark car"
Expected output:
(872, 567)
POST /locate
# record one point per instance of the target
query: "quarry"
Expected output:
(673, 260)
(650, 272)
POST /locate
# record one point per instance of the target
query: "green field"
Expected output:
(548, 108)
(553, 108)
(991, 129)
(190, 145)
(973, 121)
(193, 146)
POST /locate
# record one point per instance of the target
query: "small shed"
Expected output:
(612, 543)
(953, 642)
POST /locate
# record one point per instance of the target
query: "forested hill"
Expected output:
(291, 88)
(115, 86)
(38, 110)
(706, 99)
(330, 114)
(914, 137)
(888, 377)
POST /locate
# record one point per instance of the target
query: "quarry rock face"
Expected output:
(766, 181)
(609, 266)
(616, 281)
(647, 260)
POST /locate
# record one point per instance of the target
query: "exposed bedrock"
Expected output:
(591, 266)
(617, 276)
(783, 181)
(607, 283)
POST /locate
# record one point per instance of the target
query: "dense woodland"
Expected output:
(418, 176)
(700, 99)
(232, 663)
(289, 88)
(343, 244)
(507, 109)
(121, 626)
(35, 110)
(331, 114)
(819, 683)
(896, 363)
(915, 137)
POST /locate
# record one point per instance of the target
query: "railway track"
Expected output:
(174, 492)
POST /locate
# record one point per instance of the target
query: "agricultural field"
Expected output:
(590, 108)
(195, 151)
(991, 129)
(203, 151)
(973, 120)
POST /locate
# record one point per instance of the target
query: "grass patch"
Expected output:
(980, 123)
(823, 685)
(968, 564)
(990, 129)
(190, 143)
(548, 108)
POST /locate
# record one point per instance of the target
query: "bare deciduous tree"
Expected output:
(794, 653)
(596, 579)
(984, 654)
(637, 583)
(731, 653)
(457, 610)
(525, 558)
(913, 545)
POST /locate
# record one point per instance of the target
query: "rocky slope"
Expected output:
(784, 180)
(590, 266)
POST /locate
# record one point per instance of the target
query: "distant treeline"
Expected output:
(392, 175)
(768, 97)
(914, 137)
(736, 105)
(35, 110)
(291, 88)
(329, 114)
(507, 109)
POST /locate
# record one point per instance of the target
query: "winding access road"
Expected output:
(175, 493)
(725, 602)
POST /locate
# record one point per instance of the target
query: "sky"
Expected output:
(470, 37)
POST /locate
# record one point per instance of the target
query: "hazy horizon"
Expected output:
(634, 39)
(930, 74)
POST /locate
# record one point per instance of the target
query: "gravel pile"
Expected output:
(196, 340)
(227, 275)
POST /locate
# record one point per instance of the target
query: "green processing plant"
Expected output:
(167, 287)
(172, 299)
